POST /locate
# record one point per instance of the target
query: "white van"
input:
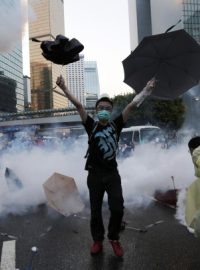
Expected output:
(135, 135)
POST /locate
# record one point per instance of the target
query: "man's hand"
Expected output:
(151, 84)
(139, 98)
(148, 89)
(61, 82)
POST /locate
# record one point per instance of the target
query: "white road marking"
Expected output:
(8, 255)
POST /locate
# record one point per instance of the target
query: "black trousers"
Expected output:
(99, 183)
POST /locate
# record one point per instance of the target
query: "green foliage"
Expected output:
(167, 114)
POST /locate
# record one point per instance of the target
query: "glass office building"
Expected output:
(191, 18)
(48, 24)
(11, 67)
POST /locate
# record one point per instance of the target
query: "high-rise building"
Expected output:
(48, 24)
(27, 93)
(11, 69)
(147, 17)
(11, 62)
(191, 18)
(75, 79)
(91, 77)
(92, 88)
(139, 20)
(8, 100)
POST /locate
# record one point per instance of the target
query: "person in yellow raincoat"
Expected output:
(192, 210)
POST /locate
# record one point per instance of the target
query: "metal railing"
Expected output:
(41, 113)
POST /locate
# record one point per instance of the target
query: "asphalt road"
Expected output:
(64, 242)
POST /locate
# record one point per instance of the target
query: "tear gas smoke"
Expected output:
(148, 169)
(13, 20)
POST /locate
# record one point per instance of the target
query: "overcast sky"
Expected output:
(102, 26)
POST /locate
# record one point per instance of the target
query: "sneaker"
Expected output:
(117, 248)
(96, 247)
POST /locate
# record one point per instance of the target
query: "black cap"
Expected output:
(104, 99)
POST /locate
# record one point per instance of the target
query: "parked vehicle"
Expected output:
(135, 135)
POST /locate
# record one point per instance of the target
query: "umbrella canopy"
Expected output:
(62, 194)
(61, 51)
(168, 197)
(173, 58)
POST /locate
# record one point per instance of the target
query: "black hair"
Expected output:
(104, 99)
(194, 142)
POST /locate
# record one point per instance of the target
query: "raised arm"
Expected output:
(138, 99)
(81, 110)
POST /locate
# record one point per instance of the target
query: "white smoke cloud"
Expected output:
(33, 168)
(14, 16)
(150, 168)
(147, 170)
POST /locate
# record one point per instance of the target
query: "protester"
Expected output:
(101, 163)
(192, 210)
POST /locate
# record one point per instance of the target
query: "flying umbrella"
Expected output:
(173, 58)
(61, 51)
(62, 194)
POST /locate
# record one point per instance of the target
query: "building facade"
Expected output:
(147, 17)
(27, 93)
(75, 80)
(11, 67)
(92, 87)
(139, 20)
(191, 18)
(48, 24)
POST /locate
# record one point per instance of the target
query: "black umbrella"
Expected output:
(173, 58)
(61, 51)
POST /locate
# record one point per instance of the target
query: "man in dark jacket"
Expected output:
(101, 164)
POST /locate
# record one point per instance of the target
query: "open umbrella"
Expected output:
(62, 194)
(173, 58)
(61, 51)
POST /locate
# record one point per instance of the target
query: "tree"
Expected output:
(167, 114)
